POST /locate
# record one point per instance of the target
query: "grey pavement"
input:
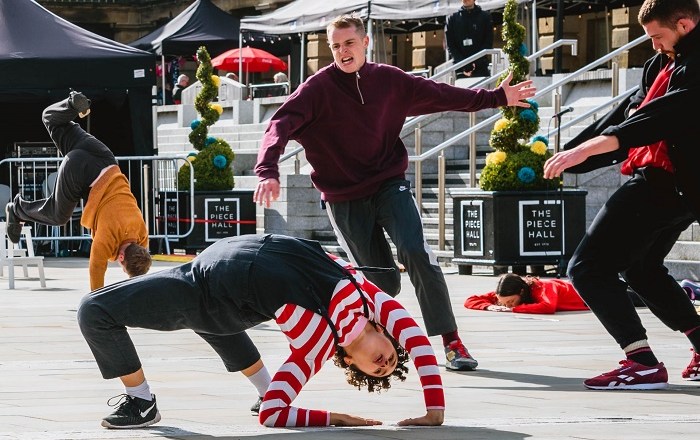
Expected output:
(528, 384)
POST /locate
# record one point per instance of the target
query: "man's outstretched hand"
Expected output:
(518, 93)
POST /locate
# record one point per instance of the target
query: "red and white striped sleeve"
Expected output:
(311, 343)
(401, 325)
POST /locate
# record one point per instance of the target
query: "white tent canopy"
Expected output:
(314, 15)
(302, 16)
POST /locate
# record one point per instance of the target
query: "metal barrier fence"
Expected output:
(153, 180)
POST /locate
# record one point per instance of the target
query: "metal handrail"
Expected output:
(410, 122)
(593, 64)
(435, 150)
(470, 59)
(583, 116)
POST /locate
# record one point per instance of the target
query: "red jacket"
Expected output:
(549, 296)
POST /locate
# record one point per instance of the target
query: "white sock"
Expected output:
(142, 391)
(261, 380)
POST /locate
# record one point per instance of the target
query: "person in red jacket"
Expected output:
(528, 295)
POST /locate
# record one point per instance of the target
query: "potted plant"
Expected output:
(219, 210)
(518, 217)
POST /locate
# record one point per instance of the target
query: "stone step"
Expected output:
(184, 145)
(685, 250)
(682, 269)
(184, 133)
(691, 234)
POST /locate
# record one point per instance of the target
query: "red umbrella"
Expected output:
(254, 60)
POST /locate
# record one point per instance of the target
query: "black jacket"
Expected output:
(670, 117)
(474, 24)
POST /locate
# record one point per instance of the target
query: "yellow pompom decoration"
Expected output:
(216, 80)
(219, 109)
(538, 147)
(495, 158)
(500, 124)
(191, 158)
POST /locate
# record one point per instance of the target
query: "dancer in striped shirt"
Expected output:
(325, 308)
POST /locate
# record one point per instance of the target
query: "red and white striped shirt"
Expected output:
(312, 344)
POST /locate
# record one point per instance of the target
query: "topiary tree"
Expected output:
(212, 161)
(517, 164)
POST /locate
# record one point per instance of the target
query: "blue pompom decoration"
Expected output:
(523, 49)
(192, 154)
(539, 138)
(533, 104)
(528, 115)
(195, 123)
(526, 174)
(219, 161)
(210, 140)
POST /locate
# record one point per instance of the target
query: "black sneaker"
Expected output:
(80, 103)
(14, 227)
(132, 412)
(255, 409)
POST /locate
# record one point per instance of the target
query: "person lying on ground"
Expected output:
(528, 294)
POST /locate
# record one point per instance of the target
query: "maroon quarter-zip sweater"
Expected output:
(349, 125)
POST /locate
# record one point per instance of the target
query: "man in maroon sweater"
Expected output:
(348, 116)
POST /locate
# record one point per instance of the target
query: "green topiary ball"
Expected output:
(507, 175)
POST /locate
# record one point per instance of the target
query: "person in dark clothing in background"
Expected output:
(183, 81)
(657, 143)
(348, 116)
(468, 31)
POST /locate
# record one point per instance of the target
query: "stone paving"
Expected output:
(528, 384)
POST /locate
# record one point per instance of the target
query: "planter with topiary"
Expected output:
(517, 217)
(219, 209)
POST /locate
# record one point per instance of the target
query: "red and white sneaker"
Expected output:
(631, 376)
(692, 371)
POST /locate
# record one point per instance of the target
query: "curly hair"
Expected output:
(513, 284)
(360, 379)
(137, 260)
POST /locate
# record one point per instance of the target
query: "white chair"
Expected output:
(12, 255)
(5, 196)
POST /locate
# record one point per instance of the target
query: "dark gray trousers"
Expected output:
(233, 285)
(360, 225)
(631, 236)
(84, 158)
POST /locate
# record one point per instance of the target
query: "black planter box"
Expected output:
(217, 214)
(517, 228)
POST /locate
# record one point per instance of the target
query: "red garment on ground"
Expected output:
(549, 296)
(656, 154)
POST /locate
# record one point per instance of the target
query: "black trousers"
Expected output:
(233, 285)
(84, 158)
(360, 225)
(631, 236)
